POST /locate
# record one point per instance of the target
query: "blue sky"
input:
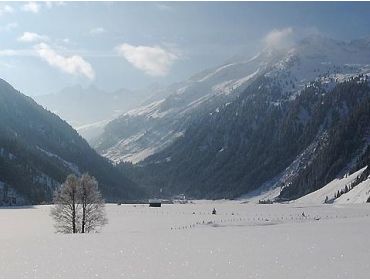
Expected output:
(46, 46)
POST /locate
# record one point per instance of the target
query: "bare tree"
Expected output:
(78, 205)
(66, 208)
(93, 212)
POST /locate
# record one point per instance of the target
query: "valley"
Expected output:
(241, 241)
(184, 140)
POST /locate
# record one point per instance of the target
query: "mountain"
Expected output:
(150, 128)
(38, 150)
(99, 107)
(300, 122)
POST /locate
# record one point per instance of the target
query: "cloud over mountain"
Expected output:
(279, 38)
(69, 64)
(154, 61)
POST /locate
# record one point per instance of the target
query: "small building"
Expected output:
(155, 203)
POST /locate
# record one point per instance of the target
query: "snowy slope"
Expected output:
(359, 194)
(330, 189)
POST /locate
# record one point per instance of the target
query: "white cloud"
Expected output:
(6, 9)
(279, 38)
(154, 61)
(32, 37)
(97, 31)
(32, 7)
(72, 64)
(9, 26)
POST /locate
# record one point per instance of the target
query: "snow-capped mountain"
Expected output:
(148, 129)
(294, 127)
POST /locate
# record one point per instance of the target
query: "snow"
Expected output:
(229, 86)
(67, 164)
(358, 194)
(216, 71)
(262, 193)
(330, 189)
(241, 241)
(92, 130)
(134, 152)
(241, 81)
(98, 124)
(145, 110)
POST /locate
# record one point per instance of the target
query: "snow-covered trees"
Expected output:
(78, 205)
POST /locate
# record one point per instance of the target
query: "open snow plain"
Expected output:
(186, 241)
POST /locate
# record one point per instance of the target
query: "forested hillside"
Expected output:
(38, 150)
(263, 138)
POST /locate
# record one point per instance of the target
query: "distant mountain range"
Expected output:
(284, 122)
(38, 150)
(89, 109)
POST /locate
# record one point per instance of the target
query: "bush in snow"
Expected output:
(78, 205)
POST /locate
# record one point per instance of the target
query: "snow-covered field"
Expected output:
(186, 241)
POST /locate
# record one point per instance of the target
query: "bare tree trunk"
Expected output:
(66, 206)
(92, 204)
(74, 212)
(83, 207)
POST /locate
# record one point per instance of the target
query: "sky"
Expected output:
(46, 46)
